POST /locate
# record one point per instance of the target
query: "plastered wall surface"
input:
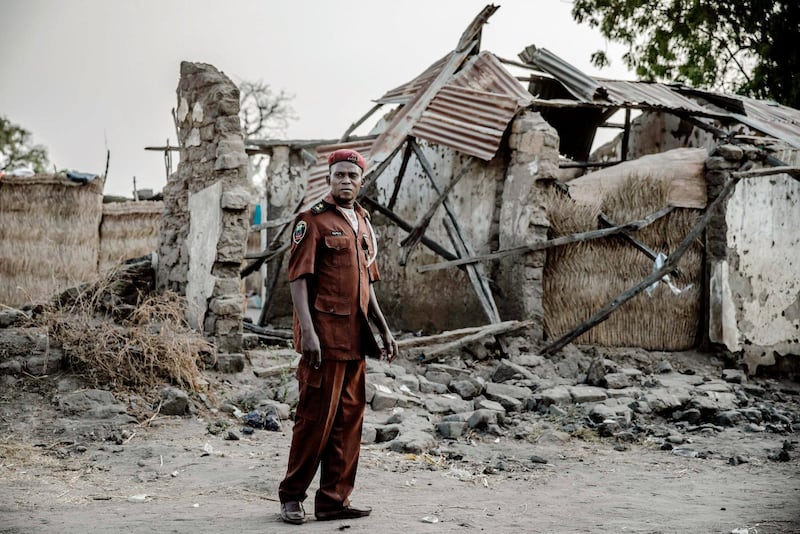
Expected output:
(763, 265)
(443, 299)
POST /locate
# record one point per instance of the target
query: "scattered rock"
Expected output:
(173, 401)
(734, 376)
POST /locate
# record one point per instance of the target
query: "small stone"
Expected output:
(466, 388)
(752, 427)
(489, 405)
(232, 436)
(230, 362)
(483, 418)
(663, 367)
(584, 394)
(383, 400)
(173, 401)
(729, 152)
(559, 395)
(537, 459)
(507, 370)
(737, 460)
(729, 418)
(617, 381)
(451, 429)
(555, 411)
(734, 376)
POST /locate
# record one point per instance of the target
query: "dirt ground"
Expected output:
(169, 474)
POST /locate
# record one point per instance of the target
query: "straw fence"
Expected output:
(128, 230)
(49, 235)
(581, 278)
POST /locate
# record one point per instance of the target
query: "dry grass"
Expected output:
(49, 235)
(128, 230)
(153, 344)
(581, 278)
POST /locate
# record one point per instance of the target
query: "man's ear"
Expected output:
(328, 179)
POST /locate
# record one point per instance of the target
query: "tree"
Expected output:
(264, 115)
(747, 47)
(17, 149)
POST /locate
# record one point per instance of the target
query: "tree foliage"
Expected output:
(744, 46)
(17, 148)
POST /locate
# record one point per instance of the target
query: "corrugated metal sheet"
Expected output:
(580, 85)
(404, 93)
(467, 120)
(773, 119)
(485, 72)
(317, 187)
(652, 95)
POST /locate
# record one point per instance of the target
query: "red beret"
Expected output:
(345, 154)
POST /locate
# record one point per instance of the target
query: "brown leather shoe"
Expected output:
(293, 512)
(345, 512)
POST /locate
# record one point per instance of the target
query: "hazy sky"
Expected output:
(83, 74)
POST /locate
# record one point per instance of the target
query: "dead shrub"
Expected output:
(148, 345)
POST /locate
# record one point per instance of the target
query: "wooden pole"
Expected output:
(416, 233)
(359, 122)
(477, 277)
(400, 175)
(557, 242)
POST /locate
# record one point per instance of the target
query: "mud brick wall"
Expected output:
(213, 164)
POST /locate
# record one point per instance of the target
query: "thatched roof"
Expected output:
(49, 235)
(128, 230)
(581, 278)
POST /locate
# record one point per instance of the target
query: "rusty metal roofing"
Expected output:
(651, 95)
(467, 120)
(485, 72)
(404, 93)
(317, 186)
(773, 119)
(471, 110)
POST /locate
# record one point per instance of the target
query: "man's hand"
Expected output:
(389, 346)
(311, 349)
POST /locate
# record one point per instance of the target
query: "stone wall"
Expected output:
(753, 261)
(213, 166)
(523, 217)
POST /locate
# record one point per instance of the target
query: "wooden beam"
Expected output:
(491, 330)
(669, 265)
(477, 278)
(444, 337)
(435, 247)
(626, 135)
(373, 175)
(272, 224)
(400, 175)
(346, 135)
(557, 242)
(416, 233)
(587, 164)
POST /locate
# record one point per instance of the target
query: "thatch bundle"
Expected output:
(49, 235)
(581, 278)
(128, 230)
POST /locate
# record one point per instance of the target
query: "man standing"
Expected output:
(331, 270)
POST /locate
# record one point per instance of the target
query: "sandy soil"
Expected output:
(171, 475)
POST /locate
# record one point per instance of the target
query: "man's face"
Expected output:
(345, 181)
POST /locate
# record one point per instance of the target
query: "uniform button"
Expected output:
(330, 310)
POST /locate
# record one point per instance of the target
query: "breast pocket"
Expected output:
(339, 250)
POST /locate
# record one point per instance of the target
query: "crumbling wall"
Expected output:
(287, 175)
(753, 254)
(653, 133)
(444, 299)
(523, 217)
(206, 204)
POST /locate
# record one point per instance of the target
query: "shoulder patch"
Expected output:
(319, 207)
(299, 232)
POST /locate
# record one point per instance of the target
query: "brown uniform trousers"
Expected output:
(327, 432)
(330, 412)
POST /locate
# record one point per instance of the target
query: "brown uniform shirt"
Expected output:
(334, 258)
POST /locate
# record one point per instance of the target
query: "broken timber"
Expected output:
(476, 276)
(557, 242)
(672, 260)
(468, 335)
